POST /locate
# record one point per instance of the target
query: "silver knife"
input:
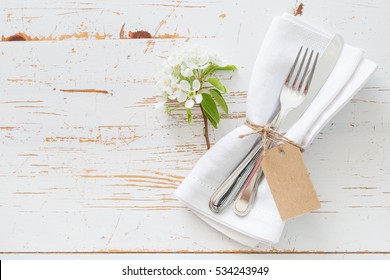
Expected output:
(325, 66)
(229, 189)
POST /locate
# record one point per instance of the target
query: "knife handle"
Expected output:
(229, 189)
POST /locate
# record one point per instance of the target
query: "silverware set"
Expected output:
(305, 79)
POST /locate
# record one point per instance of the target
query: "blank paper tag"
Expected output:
(289, 181)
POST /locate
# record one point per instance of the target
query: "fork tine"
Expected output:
(311, 75)
(305, 72)
(293, 67)
(299, 69)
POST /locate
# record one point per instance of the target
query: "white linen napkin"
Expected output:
(277, 53)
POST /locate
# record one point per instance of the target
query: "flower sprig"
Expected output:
(187, 80)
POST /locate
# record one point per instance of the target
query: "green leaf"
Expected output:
(220, 100)
(210, 108)
(225, 68)
(213, 122)
(217, 84)
(189, 115)
(213, 67)
(210, 69)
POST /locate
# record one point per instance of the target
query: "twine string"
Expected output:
(269, 135)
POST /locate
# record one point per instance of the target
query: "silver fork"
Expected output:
(292, 94)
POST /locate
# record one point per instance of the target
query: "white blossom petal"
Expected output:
(161, 83)
(167, 69)
(168, 90)
(182, 96)
(176, 93)
(203, 59)
(198, 98)
(184, 85)
(195, 85)
(173, 60)
(173, 79)
(189, 103)
(191, 64)
(216, 60)
(174, 86)
(187, 72)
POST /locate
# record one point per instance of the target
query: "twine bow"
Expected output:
(269, 134)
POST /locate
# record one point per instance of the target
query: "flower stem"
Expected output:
(206, 129)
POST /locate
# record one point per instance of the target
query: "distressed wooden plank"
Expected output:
(88, 164)
(166, 19)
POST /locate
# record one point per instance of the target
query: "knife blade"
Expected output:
(324, 67)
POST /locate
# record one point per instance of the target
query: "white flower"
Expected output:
(161, 84)
(216, 60)
(197, 59)
(167, 81)
(172, 97)
(168, 90)
(195, 85)
(182, 96)
(174, 60)
(189, 103)
(181, 77)
(174, 94)
(184, 85)
(186, 72)
(167, 70)
(173, 79)
(198, 98)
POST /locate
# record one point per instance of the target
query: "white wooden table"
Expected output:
(89, 166)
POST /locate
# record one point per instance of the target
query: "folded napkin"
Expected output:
(277, 53)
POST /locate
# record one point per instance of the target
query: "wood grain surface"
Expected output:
(88, 165)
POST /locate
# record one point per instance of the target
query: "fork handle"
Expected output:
(244, 201)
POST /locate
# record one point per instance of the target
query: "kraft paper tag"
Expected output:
(289, 181)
